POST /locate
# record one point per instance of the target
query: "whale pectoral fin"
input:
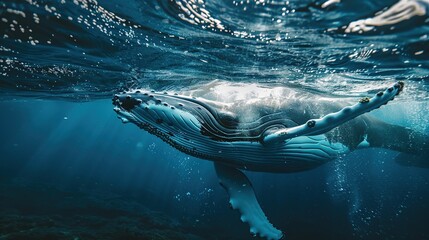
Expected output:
(322, 125)
(242, 197)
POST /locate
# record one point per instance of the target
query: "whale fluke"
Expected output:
(322, 125)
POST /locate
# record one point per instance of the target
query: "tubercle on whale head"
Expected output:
(127, 101)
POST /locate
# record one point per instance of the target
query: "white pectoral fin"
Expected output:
(242, 197)
(322, 125)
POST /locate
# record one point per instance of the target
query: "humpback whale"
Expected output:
(249, 127)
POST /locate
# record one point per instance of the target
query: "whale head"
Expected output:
(161, 114)
(165, 115)
(171, 115)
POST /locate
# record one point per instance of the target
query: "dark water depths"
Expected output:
(70, 170)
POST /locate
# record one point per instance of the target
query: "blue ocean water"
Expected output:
(70, 170)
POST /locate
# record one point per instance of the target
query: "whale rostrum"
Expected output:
(249, 127)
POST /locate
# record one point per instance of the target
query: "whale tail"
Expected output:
(412, 145)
